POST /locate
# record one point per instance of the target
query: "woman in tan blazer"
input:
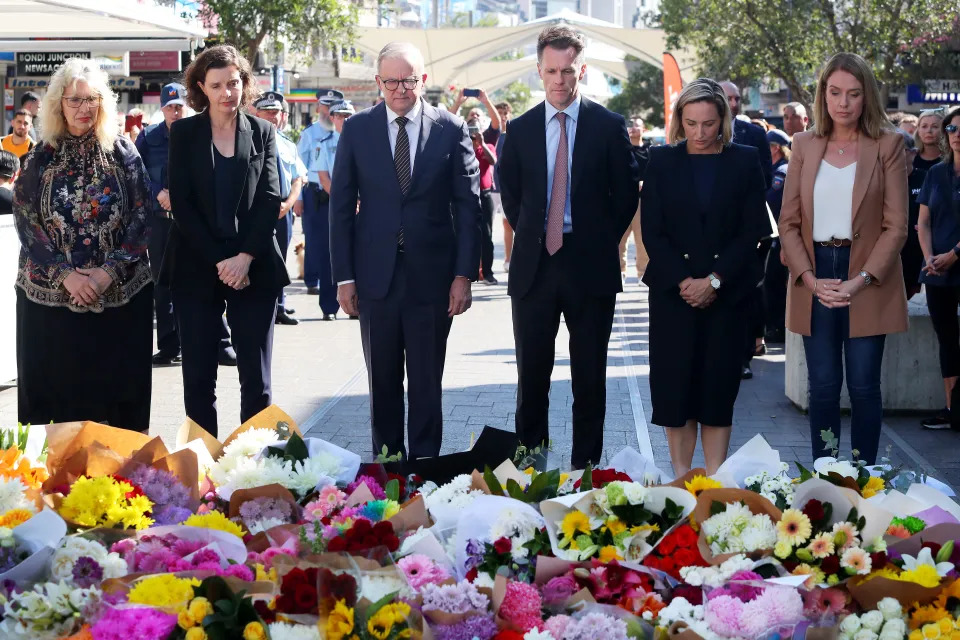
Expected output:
(842, 225)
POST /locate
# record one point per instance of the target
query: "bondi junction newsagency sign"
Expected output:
(44, 63)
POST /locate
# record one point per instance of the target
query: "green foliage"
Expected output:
(18, 438)
(586, 480)
(759, 39)
(392, 490)
(294, 451)
(302, 24)
(317, 543)
(543, 486)
(518, 94)
(641, 94)
(384, 456)
(461, 20)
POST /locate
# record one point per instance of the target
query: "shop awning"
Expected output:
(84, 25)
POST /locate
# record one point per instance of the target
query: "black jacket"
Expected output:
(190, 261)
(750, 135)
(684, 241)
(603, 196)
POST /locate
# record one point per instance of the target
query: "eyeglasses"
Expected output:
(951, 128)
(75, 102)
(408, 83)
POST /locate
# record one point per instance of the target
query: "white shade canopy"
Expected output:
(83, 22)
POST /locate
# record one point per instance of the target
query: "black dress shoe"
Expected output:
(289, 311)
(161, 359)
(227, 357)
(746, 374)
(283, 318)
(491, 280)
(329, 317)
(354, 317)
(313, 291)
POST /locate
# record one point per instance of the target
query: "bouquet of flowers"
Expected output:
(420, 570)
(382, 620)
(908, 579)
(217, 612)
(744, 611)
(263, 513)
(520, 608)
(716, 576)
(599, 478)
(107, 501)
(170, 553)
(328, 502)
(849, 474)
(172, 503)
(299, 592)
(452, 498)
(734, 528)
(514, 540)
(458, 611)
(677, 549)
(163, 590)
(48, 610)
(621, 521)
(288, 631)
(364, 536)
(85, 563)
(886, 622)
(14, 464)
(905, 527)
(617, 585)
(135, 623)
(591, 625)
(778, 489)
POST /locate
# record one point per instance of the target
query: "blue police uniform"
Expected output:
(291, 168)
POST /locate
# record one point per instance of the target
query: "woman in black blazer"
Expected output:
(222, 254)
(702, 215)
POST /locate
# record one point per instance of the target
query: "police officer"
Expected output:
(775, 274)
(317, 274)
(153, 143)
(271, 106)
(323, 164)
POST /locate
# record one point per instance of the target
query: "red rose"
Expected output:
(392, 543)
(503, 545)
(264, 611)
(667, 564)
(337, 544)
(295, 578)
(685, 558)
(383, 528)
(361, 527)
(686, 536)
(508, 634)
(667, 546)
(305, 598)
(829, 565)
(814, 510)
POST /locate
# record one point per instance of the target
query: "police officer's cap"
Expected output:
(329, 96)
(775, 136)
(269, 101)
(343, 106)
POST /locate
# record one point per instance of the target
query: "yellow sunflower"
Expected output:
(927, 614)
(573, 523)
(340, 621)
(701, 483)
(950, 591)
(874, 486)
(794, 527)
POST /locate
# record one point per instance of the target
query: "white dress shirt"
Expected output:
(553, 141)
(414, 119)
(833, 202)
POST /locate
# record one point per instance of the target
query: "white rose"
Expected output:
(850, 625)
(895, 626)
(865, 634)
(842, 467)
(890, 608)
(635, 493)
(872, 620)
(885, 635)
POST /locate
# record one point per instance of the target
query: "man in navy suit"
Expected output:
(569, 186)
(406, 258)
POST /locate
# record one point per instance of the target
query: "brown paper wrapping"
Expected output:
(67, 438)
(549, 568)
(680, 483)
(185, 466)
(754, 501)
(150, 452)
(94, 460)
(361, 495)
(412, 516)
(869, 593)
(939, 533)
(267, 491)
(269, 418)
(190, 431)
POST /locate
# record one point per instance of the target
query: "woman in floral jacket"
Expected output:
(84, 293)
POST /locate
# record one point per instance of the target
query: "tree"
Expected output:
(461, 20)
(302, 23)
(517, 93)
(642, 94)
(792, 39)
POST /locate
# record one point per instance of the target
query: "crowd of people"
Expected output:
(742, 231)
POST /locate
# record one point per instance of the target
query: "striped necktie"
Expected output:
(401, 159)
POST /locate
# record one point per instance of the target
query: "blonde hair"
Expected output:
(873, 119)
(702, 90)
(52, 120)
(930, 113)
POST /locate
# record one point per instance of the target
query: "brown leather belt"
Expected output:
(836, 242)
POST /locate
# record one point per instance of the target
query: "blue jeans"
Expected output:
(827, 347)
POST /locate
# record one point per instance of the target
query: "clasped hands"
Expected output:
(85, 286)
(939, 264)
(698, 292)
(234, 271)
(833, 293)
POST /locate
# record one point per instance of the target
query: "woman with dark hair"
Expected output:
(939, 231)
(84, 292)
(702, 215)
(225, 199)
(842, 226)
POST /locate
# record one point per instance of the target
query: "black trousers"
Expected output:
(775, 291)
(400, 330)
(536, 320)
(754, 325)
(942, 302)
(250, 314)
(284, 230)
(489, 208)
(168, 338)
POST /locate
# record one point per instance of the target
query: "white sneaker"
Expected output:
(506, 266)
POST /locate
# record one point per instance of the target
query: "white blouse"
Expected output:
(833, 202)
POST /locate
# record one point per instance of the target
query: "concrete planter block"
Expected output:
(910, 380)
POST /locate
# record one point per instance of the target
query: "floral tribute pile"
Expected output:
(108, 535)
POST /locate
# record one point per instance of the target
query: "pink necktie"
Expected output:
(558, 194)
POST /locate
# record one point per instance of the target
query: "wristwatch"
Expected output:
(867, 278)
(714, 281)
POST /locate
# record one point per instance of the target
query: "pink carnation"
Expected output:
(241, 571)
(774, 607)
(557, 625)
(724, 614)
(521, 606)
(420, 570)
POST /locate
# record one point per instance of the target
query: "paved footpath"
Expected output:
(320, 380)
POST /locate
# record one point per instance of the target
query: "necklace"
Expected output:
(841, 149)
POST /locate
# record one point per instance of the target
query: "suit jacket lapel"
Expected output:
(429, 128)
(204, 164)
(242, 152)
(538, 144)
(580, 145)
(867, 154)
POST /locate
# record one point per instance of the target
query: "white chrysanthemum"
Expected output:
(72, 549)
(483, 581)
(313, 473)
(286, 631)
(519, 526)
(408, 543)
(13, 495)
(374, 587)
(249, 473)
(456, 494)
(536, 634)
(250, 443)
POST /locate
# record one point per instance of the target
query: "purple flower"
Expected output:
(171, 514)
(162, 487)
(480, 627)
(87, 572)
(461, 597)
(558, 590)
(474, 552)
(596, 626)
(740, 591)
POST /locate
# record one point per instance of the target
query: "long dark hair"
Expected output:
(218, 57)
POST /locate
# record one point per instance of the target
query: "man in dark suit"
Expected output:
(405, 260)
(569, 183)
